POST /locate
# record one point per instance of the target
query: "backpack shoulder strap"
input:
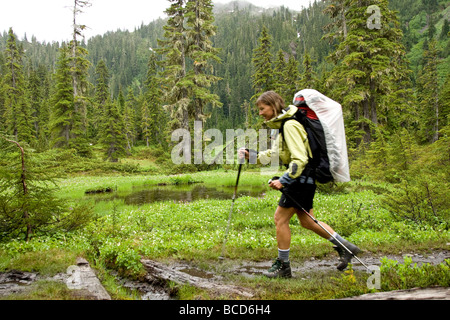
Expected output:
(284, 122)
(308, 171)
(298, 116)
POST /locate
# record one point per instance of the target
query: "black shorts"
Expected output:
(302, 193)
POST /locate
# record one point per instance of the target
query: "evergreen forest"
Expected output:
(108, 105)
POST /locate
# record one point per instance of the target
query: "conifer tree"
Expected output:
(309, 77)
(262, 77)
(430, 6)
(79, 71)
(200, 49)
(445, 30)
(17, 114)
(153, 119)
(146, 123)
(36, 99)
(187, 40)
(29, 203)
(128, 120)
(62, 102)
(444, 116)
(134, 111)
(39, 87)
(121, 100)
(101, 96)
(337, 29)
(292, 80)
(112, 134)
(2, 94)
(173, 48)
(367, 65)
(286, 76)
(279, 80)
(429, 94)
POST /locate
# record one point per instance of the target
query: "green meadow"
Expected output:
(117, 236)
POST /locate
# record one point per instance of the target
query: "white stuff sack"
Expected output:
(330, 115)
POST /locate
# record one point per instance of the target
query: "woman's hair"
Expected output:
(273, 99)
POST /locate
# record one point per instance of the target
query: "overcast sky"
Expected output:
(51, 20)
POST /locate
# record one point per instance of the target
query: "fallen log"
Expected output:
(159, 272)
(432, 293)
(82, 277)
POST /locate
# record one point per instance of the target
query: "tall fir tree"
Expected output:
(173, 49)
(113, 132)
(79, 71)
(262, 77)
(146, 123)
(285, 76)
(292, 76)
(101, 96)
(279, 69)
(200, 49)
(366, 61)
(2, 94)
(154, 116)
(39, 91)
(428, 94)
(36, 98)
(128, 120)
(444, 31)
(337, 30)
(18, 120)
(134, 111)
(309, 76)
(445, 100)
(62, 102)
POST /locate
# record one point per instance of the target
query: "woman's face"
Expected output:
(266, 111)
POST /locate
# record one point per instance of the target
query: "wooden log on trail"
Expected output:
(160, 272)
(82, 277)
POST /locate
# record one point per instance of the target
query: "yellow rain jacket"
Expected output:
(293, 149)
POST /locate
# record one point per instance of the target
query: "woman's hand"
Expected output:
(243, 153)
(276, 184)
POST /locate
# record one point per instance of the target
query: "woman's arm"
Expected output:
(296, 140)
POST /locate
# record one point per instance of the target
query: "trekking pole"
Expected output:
(317, 222)
(221, 257)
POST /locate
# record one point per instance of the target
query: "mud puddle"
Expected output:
(147, 291)
(300, 268)
(151, 290)
(16, 282)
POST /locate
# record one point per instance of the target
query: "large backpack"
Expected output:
(323, 121)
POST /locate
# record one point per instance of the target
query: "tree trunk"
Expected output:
(24, 188)
(436, 124)
(366, 115)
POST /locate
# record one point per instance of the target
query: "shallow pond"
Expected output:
(178, 193)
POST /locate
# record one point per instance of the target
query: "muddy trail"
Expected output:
(158, 274)
(313, 264)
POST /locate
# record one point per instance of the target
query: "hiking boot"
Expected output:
(344, 256)
(279, 269)
(340, 251)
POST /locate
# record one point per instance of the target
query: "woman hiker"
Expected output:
(293, 149)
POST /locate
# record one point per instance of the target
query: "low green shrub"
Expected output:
(406, 275)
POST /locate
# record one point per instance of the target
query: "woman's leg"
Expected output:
(344, 255)
(309, 224)
(282, 218)
(281, 268)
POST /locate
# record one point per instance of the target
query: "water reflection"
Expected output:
(179, 193)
